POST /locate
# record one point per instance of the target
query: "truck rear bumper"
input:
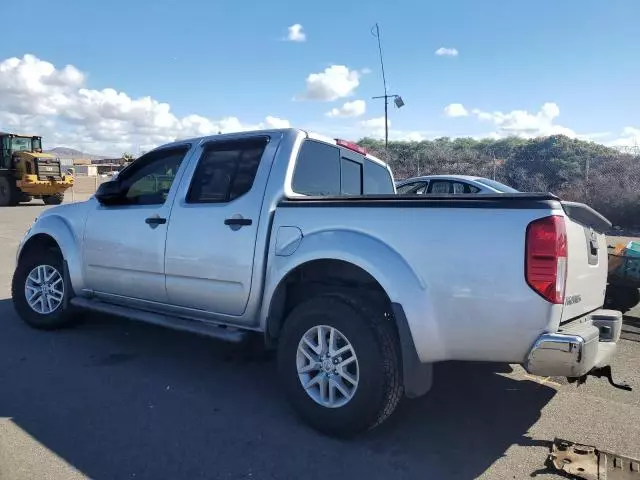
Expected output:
(577, 347)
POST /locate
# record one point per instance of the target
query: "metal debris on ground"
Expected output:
(590, 463)
(602, 372)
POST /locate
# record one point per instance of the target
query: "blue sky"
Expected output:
(227, 59)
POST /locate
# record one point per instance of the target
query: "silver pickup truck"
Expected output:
(301, 239)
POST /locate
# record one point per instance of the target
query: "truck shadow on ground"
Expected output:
(118, 399)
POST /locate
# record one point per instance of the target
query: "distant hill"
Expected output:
(64, 152)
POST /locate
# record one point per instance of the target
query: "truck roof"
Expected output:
(18, 134)
(310, 134)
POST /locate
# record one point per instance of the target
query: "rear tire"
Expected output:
(9, 193)
(40, 275)
(376, 369)
(55, 199)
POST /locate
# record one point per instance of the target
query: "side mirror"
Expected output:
(108, 192)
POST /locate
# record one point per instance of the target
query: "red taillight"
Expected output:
(546, 257)
(351, 146)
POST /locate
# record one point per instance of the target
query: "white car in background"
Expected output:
(451, 184)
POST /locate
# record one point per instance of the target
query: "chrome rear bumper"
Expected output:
(577, 347)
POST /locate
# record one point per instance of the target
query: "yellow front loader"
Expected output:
(26, 172)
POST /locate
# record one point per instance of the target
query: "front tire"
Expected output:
(347, 356)
(9, 194)
(39, 291)
(55, 199)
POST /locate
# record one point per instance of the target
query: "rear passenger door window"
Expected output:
(226, 171)
(317, 171)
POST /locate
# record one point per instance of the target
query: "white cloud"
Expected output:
(374, 128)
(408, 136)
(337, 81)
(525, 124)
(38, 98)
(296, 33)
(274, 122)
(455, 110)
(630, 138)
(374, 123)
(447, 52)
(356, 108)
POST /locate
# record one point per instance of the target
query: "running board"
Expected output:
(169, 321)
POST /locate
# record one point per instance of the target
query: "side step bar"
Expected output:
(169, 321)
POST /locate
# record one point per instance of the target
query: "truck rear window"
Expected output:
(317, 169)
(350, 177)
(320, 171)
(377, 179)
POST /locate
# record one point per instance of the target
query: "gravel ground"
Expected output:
(112, 399)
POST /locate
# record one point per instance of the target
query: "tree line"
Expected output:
(605, 178)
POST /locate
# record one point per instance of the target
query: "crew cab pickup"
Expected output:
(302, 240)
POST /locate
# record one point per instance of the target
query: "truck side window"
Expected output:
(317, 170)
(226, 170)
(377, 179)
(350, 177)
(149, 178)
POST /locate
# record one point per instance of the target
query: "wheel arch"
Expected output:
(319, 275)
(36, 242)
(53, 232)
(313, 277)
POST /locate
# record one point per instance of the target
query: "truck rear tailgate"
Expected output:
(587, 260)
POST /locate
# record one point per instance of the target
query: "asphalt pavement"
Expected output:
(114, 399)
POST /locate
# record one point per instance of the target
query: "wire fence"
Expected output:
(607, 180)
(83, 187)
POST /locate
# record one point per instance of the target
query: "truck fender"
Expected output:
(406, 290)
(60, 231)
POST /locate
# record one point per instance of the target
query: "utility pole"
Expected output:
(375, 31)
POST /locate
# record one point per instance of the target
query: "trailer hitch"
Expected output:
(601, 372)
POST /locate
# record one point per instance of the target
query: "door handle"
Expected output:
(239, 222)
(155, 221)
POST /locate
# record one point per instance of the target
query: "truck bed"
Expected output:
(467, 253)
